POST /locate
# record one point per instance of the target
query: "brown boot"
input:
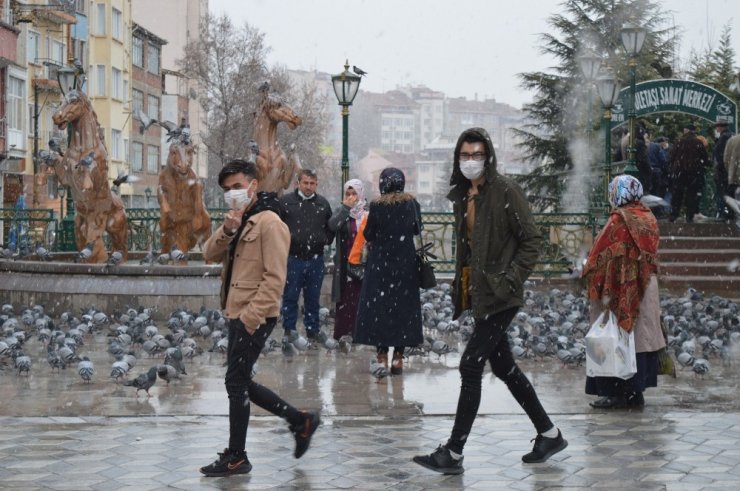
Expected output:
(383, 358)
(397, 364)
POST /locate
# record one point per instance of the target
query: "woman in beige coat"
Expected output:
(621, 272)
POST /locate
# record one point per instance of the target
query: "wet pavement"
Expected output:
(57, 432)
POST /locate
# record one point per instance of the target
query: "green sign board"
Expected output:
(680, 96)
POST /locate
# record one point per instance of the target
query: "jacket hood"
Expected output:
(393, 198)
(392, 180)
(457, 179)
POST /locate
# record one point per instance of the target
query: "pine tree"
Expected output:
(558, 114)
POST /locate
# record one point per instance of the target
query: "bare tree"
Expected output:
(229, 63)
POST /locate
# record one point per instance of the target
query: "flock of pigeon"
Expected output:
(552, 325)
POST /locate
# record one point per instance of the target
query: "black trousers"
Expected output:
(489, 343)
(244, 349)
(686, 188)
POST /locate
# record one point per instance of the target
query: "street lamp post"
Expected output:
(608, 88)
(61, 192)
(589, 64)
(633, 37)
(345, 85)
(148, 193)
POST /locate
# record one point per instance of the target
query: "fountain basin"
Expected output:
(61, 286)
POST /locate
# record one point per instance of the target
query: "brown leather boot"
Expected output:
(397, 364)
(383, 358)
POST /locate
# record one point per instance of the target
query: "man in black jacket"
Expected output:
(307, 215)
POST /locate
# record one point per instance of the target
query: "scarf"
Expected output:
(359, 209)
(623, 258)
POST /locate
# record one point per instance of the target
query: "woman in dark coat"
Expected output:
(345, 290)
(389, 313)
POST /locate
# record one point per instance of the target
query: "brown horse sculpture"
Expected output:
(183, 219)
(84, 168)
(275, 170)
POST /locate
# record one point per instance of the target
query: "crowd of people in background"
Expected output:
(678, 171)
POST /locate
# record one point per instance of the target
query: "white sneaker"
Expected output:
(698, 217)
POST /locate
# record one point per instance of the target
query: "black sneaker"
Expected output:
(227, 464)
(304, 431)
(441, 461)
(544, 448)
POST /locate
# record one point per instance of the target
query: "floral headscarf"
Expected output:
(357, 211)
(624, 189)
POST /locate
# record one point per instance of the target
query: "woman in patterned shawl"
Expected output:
(621, 274)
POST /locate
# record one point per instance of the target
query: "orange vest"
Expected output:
(356, 254)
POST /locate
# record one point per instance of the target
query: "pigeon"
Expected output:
(85, 369)
(440, 348)
(149, 259)
(86, 252)
(146, 121)
(700, 367)
(144, 382)
(115, 258)
(87, 160)
(331, 344)
(23, 363)
(287, 347)
(254, 151)
(55, 360)
(124, 178)
(163, 258)
(177, 254)
(378, 370)
(359, 71)
(6, 253)
(55, 146)
(46, 156)
(173, 357)
(119, 369)
(167, 373)
(345, 344)
(42, 252)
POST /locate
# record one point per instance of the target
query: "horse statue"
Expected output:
(183, 219)
(275, 170)
(84, 168)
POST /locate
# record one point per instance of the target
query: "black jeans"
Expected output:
(244, 349)
(489, 343)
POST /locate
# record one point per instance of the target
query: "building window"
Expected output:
(57, 52)
(138, 102)
(100, 77)
(116, 83)
(126, 155)
(116, 144)
(34, 38)
(100, 19)
(116, 27)
(16, 99)
(152, 158)
(138, 52)
(78, 49)
(137, 162)
(152, 55)
(153, 103)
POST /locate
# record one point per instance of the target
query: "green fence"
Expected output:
(567, 236)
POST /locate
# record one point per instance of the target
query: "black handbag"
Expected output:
(356, 271)
(425, 268)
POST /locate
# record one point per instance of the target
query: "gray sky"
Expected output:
(460, 47)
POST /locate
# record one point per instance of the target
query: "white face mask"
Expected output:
(303, 196)
(717, 133)
(237, 199)
(472, 169)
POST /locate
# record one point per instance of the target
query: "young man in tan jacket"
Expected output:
(253, 246)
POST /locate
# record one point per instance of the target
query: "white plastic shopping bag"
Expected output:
(610, 350)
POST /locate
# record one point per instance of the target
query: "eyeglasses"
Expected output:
(473, 156)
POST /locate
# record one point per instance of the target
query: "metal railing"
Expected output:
(567, 236)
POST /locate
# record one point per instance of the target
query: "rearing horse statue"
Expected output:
(275, 170)
(183, 220)
(84, 168)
